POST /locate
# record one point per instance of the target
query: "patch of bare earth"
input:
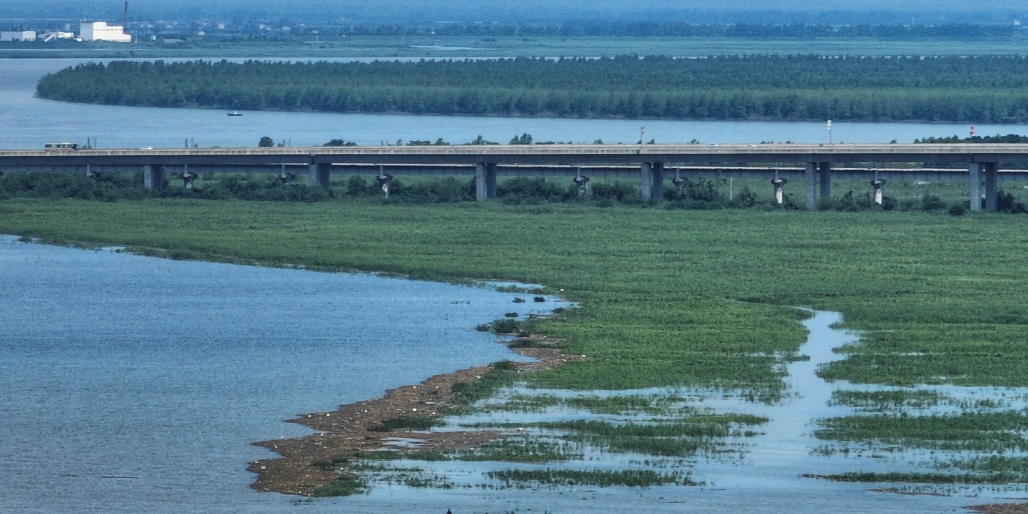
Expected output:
(1001, 508)
(345, 431)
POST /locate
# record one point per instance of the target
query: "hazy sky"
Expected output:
(483, 10)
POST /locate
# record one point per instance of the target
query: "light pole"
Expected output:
(829, 131)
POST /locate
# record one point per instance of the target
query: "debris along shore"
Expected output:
(347, 430)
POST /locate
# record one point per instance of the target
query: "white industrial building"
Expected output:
(18, 35)
(99, 31)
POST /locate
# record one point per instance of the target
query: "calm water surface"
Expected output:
(132, 384)
(28, 122)
(135, 384)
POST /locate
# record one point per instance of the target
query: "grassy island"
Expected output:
(983, 89)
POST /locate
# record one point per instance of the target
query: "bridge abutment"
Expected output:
(153, 177)
(485, 181)
(652, 181)
(320, 175)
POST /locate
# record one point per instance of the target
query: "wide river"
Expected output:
(134, 384)
(26, 122)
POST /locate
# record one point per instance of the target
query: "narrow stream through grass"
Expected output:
(771, 465)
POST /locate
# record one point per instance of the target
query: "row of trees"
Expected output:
(696, 194)
(973, 89)
(686, 29)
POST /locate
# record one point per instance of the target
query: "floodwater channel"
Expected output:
(134, 384)
(771, 467)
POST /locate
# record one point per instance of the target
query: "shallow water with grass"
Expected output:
(137, 384)
(696, 450)
(682, 299)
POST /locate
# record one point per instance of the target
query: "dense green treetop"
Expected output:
(976, 89)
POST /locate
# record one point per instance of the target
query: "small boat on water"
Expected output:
(235, 113)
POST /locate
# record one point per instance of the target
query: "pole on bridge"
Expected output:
(320, 174)
(485, 181)
(153, 177)
(652, 181)
(974, 171)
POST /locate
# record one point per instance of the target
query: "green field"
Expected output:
(668, 297)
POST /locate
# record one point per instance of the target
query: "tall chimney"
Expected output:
(125, 29)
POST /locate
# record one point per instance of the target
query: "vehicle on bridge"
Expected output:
(60, 146)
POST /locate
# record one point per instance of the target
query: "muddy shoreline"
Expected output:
(346, 430)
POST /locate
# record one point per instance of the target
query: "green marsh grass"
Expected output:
(567, 477)
(343, 486)
(415, 423)
(889, 400)
(966, 431)
(668, 298)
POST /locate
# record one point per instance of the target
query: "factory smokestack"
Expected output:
(125, 30)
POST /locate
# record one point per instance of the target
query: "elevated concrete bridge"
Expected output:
(979, 164)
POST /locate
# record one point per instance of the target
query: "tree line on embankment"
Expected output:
(984, 89)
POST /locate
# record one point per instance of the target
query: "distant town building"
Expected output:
(100, 31)
(18, 35)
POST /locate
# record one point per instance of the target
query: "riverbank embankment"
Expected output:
(351, 429)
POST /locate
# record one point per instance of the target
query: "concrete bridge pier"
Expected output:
(652, 181)
(877, 184)
(188, 178)
(825, 176)
(485, 181)
(811, 182)
(973, 173)
(320, 174)
(818, 176)
(153, 177)
(778, 184)
(986, 172)
(991, 186)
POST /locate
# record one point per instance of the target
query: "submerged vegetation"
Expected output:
(968, 431)
(770, 87)
(568, 477)
(668, 299)
(671, 298)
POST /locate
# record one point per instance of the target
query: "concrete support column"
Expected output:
(153, 177)
(974, 170)
(811, 182)
(991, 185)
(320, 174)
(485, 181)
(825, 171)
(778, 184)
(877, 184)
(652, 181)
(188, 178)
